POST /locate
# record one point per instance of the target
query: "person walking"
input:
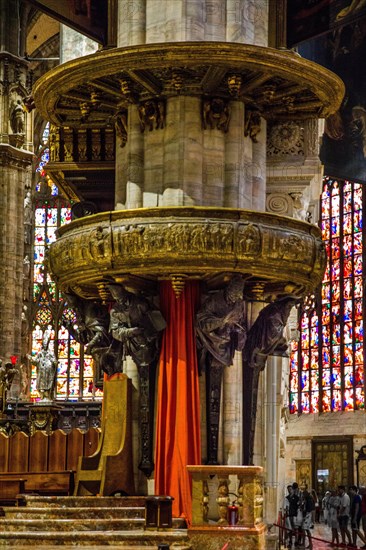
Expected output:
(292, 507)
(325, 506)
(343, 516)
(334, 502)
(355, 514)
(308, 507)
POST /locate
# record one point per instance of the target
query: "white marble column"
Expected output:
(273, 384)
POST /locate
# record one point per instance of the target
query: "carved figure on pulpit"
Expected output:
(7, 374)
(221, 326)
(137, 325)
(46, 364)
(91, 329)
(264, 338)
(266, 335)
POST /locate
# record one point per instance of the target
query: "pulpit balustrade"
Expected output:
(248, 488)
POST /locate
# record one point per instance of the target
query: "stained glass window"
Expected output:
(327, 363)
(75, 379)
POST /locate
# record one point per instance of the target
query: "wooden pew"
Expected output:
(10, 488)
(40, 483)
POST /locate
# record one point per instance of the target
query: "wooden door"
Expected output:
(332, 463)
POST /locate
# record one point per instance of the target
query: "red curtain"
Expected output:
(178, 419)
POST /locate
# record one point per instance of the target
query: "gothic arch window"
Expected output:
(75, 379)
(327, 363)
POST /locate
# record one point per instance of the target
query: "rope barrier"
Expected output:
(295, 532)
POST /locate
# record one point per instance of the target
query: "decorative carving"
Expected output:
(84, 110)
(96, 144)
(195, 242)
(54, 144)
(146, 72)
(264, 338)
(178, 284)
(121, 128)
(279, 203)
(215, 114)
(91, 329)
(17, 117)
(252, 125)
(220, 329)
(7, 374)
(82, 145)
(152, 115)
(234, 83)
(28, 217)
(249, 240)
(137, 326)
(127, 91)
(68, 144)
(223, 500)
(284, 139)
(109, 144)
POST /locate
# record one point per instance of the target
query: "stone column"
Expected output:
(15, 179)
(273, 381)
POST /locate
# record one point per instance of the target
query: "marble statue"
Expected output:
(17, 118)
(7, 374)
(46, 364)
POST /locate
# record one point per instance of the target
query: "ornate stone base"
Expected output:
(43, 416)
(213, 538)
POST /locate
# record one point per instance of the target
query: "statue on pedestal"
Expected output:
(17, 118)
(7, 374)
(46, 364)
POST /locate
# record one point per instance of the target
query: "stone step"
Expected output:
(72, 525)
(84, 502)
(129, 539)
(36, 512)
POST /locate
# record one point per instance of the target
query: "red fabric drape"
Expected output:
(178, 420)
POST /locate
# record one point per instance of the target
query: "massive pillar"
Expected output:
(15, 180)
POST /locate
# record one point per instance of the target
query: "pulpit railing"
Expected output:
(245, 481)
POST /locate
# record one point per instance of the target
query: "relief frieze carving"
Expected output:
(188, 241)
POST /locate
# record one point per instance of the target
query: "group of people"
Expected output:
(299, 509)
(342, 511)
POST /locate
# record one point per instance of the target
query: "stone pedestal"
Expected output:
(240, 484)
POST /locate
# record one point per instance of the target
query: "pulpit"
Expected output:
(109, 469)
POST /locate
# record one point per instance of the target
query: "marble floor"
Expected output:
(322, 537)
